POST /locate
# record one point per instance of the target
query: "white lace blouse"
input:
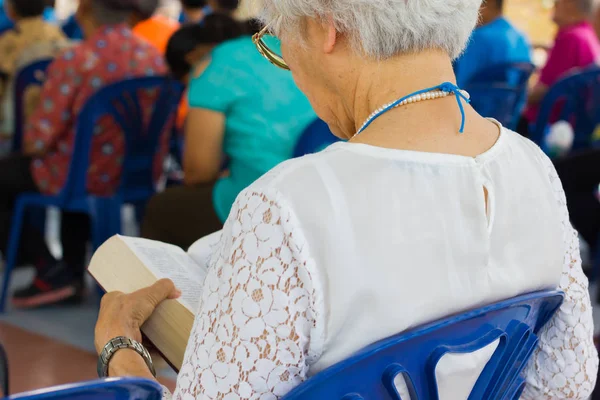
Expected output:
(329, 253)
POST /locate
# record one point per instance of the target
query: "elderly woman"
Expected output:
(427, 207)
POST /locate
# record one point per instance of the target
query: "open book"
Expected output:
(128, 264)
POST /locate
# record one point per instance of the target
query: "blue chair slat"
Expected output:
(5, 22)
(575, 99)
(72, 29)
(104, 389)
(371, 372)
(136, 185)
(315, 138)
(510, 75)
(31, 75)
(497, 101)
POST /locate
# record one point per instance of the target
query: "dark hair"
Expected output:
(146, 8)
(28, 8)
(193, 3)
(214, 29)
(230, 5)
(498, 3)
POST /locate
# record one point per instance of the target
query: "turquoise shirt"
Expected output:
(265, 114)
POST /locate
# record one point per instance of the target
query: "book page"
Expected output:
(168, 261)
(203, 249)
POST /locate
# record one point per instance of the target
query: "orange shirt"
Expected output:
(157, 31)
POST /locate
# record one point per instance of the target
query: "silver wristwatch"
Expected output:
(116, 344)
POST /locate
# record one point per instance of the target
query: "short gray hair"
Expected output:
(384, 28)
(587, 7)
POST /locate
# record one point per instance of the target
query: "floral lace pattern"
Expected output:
(565, 363)
(253, 335)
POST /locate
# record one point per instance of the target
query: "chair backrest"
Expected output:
(370, 374)
(497, 101)
(104, 389)
(31, 75)
(512, 74)
(72, 29)
(143, 131)
(315, 138)
(508, 75)
(575, 99)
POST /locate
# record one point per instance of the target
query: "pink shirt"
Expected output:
(575, 46)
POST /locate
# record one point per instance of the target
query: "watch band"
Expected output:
(116, 344)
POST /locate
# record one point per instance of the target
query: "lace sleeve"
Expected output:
(565, 363)
(257, 329)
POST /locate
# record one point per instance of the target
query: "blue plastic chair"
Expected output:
(72, 29)
(512, 74)
(508, 75)
(575, 99)
(105, 389)
(137, 185)
(497, 101)
(31, 75)
(370, 374)
(315, 138)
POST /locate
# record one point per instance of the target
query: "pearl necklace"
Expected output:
(434, 94)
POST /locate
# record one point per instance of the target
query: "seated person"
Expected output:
(155, 29)
(494, 41)
(241, 109)
(6, 23)
(32, 39)
(597, 21)
(407, 222)
(110, 54)
(576, 46)
(196, 10)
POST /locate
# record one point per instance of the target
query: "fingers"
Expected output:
(160, 291)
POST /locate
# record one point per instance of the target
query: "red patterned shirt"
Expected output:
(112, 54)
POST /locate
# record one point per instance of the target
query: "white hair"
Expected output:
(383, 28)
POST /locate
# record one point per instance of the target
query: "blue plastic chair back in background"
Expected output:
(508, 75)
(72, 29)
(496, 101)
(142, 137)
(370, 374)
(315, 138)
(511, 74)
(105, 389)
(575, 99)
(5, 22)
(31, 75)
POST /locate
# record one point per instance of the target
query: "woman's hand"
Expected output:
(123, 314)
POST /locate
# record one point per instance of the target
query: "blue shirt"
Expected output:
(265, 114)
(495, 43)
